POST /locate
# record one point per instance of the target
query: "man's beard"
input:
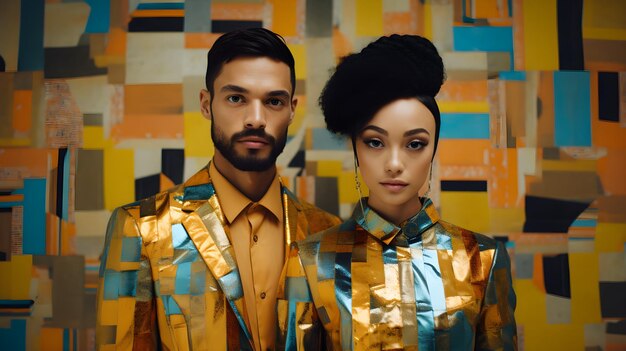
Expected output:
(251, 162)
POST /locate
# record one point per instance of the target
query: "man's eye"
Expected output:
(416, 144)
(275, 102)
(234, 99)
(374, 143)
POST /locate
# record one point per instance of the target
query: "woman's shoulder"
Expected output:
(457, 232)
(329, 237)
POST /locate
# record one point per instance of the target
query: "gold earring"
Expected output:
(358, 186)
(430, 178)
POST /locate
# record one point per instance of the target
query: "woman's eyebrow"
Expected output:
(416, 131)
(377, 129)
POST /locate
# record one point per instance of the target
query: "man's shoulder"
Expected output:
(150, 205)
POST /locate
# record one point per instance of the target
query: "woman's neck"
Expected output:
(395, 213)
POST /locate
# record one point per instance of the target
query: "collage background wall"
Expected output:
(99, 106)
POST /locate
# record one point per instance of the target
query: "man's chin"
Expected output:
(252, 164)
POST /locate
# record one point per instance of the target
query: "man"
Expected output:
(200, 266)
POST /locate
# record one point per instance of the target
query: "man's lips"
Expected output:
(253, 142)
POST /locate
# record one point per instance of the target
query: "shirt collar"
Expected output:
(386, 231)
(237, 201)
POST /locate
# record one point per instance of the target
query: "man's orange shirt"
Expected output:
(257, 236)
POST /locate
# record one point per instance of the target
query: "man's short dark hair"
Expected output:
(253, 42)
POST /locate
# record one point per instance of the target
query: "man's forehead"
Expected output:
(254, 73)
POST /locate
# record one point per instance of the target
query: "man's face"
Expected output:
(250, 111)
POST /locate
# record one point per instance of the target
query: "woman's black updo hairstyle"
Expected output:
(388, 69)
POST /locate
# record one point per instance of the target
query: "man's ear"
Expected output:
(294, 104)
(205, 103)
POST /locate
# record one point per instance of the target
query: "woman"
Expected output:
(395, 276)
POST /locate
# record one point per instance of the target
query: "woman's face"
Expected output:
(395, 150)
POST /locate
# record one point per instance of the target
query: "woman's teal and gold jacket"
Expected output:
(428, 285)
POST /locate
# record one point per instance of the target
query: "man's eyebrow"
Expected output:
(233, 88)
(416, 131)
(279, 93)
(377, 129)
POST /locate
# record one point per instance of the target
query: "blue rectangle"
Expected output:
(11, 204)
(464, 126)
(16, 303)
(297, 289)
(180, 238)
(483, 38)
(586, 223)
(161, 6)
(34, 221)
(14, 337)
(171, 307)
(513, 75)
(572, 108)
(325, 140)
(111, 289)
(128, 283)
(66, 339)
(131, 249)
(66, 188)
(31, 53)
(182, 283)
(99, 16)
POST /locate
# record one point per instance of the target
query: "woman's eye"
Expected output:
(415, 145)
(275, 102)
(374, 143)
(235, 99)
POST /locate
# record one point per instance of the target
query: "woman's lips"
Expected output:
(394, 185)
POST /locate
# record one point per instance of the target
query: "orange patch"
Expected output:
(162, 99)
(117, 42)
(33, 162)
(151, 126)
(472, 152)
(284, 17)
(50, 338)
(341, 44)
(518, 35)
(166, 182)
(158, 13)
(457, 90)
(397, 22)
(503, 190)
(249, 11)
(22, 110)
(538, 272)
(52, 234)
(200, 40)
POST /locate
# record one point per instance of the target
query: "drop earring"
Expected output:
(430, 178)
(358, 185)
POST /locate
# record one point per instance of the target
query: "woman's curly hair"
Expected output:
(390, 68)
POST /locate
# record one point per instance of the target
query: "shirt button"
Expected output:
(255, 238)
(263, 296)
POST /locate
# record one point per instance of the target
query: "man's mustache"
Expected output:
(259, 133)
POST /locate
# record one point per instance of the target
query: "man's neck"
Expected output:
(252, 184)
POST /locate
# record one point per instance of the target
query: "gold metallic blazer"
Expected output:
(427, 285)
(168, 277)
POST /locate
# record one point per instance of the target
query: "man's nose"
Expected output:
(255, 116)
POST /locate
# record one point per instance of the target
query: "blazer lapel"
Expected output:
(205, 226)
